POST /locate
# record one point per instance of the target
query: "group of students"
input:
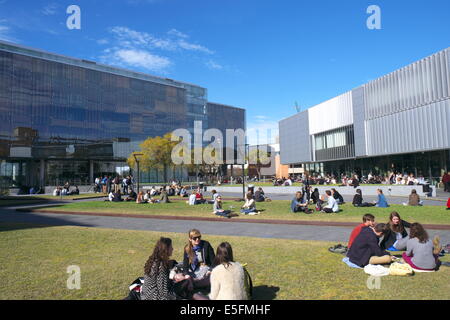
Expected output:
(202, 270)
(365, 247)
(303, 199)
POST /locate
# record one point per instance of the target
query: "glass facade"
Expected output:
(76, 118)
(335, 144)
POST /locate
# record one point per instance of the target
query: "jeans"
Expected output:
(247, 211)
(223, 213)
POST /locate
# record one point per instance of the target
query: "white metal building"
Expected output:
(400, 122)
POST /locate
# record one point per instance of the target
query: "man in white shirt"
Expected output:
(332, 206)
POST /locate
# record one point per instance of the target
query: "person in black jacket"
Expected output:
(198, 259)
(396, 236)
(358, 200)
(315, 196)
(337, 196)
(365, 249)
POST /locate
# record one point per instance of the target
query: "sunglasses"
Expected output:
(196, 238)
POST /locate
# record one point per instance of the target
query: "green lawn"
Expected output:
(35, 260)
(278, 209)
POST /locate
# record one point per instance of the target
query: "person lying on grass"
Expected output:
(249, 206)
(421, 253)
(365, 249)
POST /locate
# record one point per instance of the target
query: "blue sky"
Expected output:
(262, 55)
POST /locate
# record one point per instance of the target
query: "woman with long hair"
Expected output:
(227, 277)
(198, 259)
(157, 285)
(421, 253)
(396, 236)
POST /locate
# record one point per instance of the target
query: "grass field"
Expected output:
(278, 210)
(34, 262)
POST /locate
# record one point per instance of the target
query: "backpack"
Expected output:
(135, 289)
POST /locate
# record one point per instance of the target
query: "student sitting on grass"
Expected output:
(199, 197)
(339, 198)
(214, 195)
(132, 196)
(315, 196)
(358, 200)
(381, 202)
(259, 195)
(249, 206)
(198, 259)
(414, 199)
(116, 197)
(157, 285)
(227, 277)
(448, 204)
(332, 206)
(421, 253)
(217, 208)
(192, 198)
(147, 196)
(164, 196)
(140, 198)
(368, 221)
(395, 237)
(299, 204)
(365, 249)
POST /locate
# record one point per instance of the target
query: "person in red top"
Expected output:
(446, 181)
(368, 221)
(199, 197)
(448, 204)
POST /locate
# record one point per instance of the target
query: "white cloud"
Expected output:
(103, 41)
(175, 32)
(136, 58)
(128, 47)
(5, 32)
(213, 65)
(50, 9)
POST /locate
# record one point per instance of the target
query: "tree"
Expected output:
(156, 152)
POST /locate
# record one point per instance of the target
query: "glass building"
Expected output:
(69, 119)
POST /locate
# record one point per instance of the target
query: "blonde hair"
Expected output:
(188, 248)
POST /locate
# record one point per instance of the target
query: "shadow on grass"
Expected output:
(15, 220)
(265, 292)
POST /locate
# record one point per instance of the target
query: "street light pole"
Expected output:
(136, 157)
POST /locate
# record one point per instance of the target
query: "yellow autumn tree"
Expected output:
(156, 152)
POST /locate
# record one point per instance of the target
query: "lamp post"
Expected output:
(243, 171)
(137, 157)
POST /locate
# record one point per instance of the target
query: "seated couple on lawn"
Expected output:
(365, 248)
(196, 197)
(300, 204)
(218, 274)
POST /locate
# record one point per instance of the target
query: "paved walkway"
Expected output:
(225, 227)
